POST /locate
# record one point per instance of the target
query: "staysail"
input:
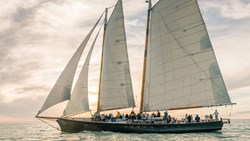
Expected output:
(79, 102)
(62, 88)
(116, 85)
(182, 70)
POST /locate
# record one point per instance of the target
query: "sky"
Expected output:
(38, 37)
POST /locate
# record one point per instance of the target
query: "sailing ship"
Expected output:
(180, 71)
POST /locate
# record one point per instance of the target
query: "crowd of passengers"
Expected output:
(149, 118)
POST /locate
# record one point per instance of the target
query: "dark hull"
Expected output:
(74, 126)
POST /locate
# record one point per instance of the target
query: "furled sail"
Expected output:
(182, 70)
(79, 102)
(116, 85)
(62, 88)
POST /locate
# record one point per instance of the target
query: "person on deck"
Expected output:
(211, 117)
(152, 118)
(123, 117)
(169, 119)
(158, 114)
(133, 116)
(97, 116)
(126, 116)
(102, 117)
(216, 114)
(189, 118)
(165, 115)
(132, 112)
(197, 118)
(138, 116)
(153, 114)
(186, 118)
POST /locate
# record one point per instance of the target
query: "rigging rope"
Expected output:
(49, 124)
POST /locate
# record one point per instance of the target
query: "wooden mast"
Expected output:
(104, 34)
(145, 55)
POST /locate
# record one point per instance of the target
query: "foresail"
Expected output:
(79, 102)
(182, 70)
(62, 88)
(116, 85)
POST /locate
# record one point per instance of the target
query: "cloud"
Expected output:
(22, 55)
(17, 72)
(32, 89)
(243, 112)
(2, 98)
(231, 9)
(227, 23)
(22, 14)
(16, 67)
(21, 107)
(236, 10)
(28, 100)
(241, 109)
(240, 80)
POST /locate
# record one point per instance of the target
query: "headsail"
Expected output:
(79, 102)
(62, 88)
(182, 70)
(116, 85)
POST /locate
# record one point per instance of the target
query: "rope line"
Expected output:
(49, 124)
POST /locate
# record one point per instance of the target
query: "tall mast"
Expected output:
(145, 54)
(104, 34)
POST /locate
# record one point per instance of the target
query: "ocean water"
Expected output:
(238, 130)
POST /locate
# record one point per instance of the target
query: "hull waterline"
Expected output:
(75, 126)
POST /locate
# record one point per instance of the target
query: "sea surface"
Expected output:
(238, 130)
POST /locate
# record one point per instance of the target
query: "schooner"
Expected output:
(180, 71)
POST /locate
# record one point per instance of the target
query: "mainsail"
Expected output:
(182, 70)
(116, 85)
(62, 88)
(79, 102)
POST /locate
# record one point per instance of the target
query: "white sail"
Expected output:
(62, 88)
(79, 102)
(116, 85)
(182, 71)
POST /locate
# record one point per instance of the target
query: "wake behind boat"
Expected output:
(180, 71)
